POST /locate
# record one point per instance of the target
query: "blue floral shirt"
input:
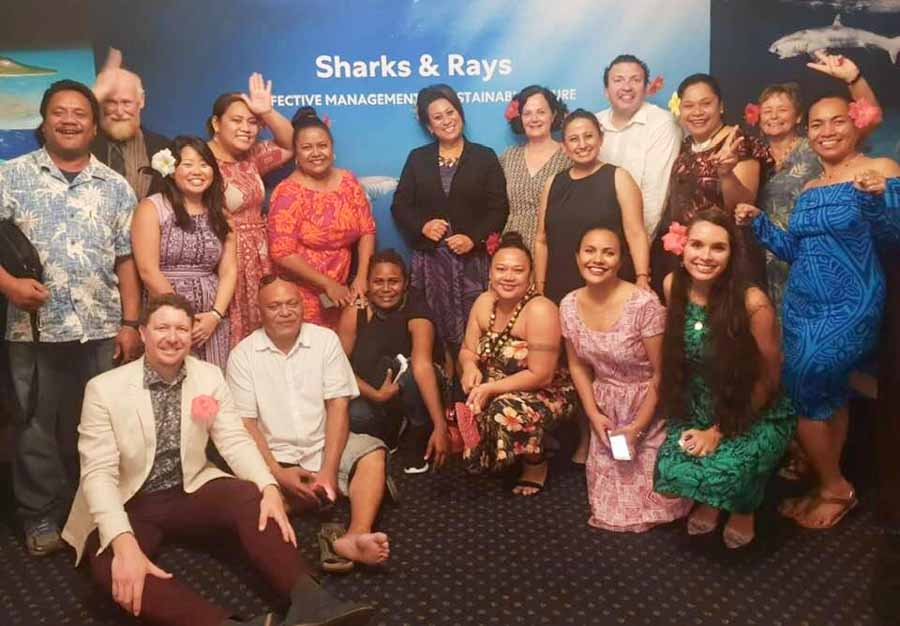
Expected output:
(79, 230)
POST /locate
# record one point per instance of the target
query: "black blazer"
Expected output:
(152, 141)
(476, 205)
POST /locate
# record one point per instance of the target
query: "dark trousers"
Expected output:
(48, 380)
(220, 510)
(383, 420)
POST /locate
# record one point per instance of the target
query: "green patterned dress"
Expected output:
(734, 476)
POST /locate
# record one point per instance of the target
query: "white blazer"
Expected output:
(117, 444)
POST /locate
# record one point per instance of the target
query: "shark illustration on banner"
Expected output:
(834, 37)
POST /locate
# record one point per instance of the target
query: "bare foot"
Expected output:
(739, 530)
(368, 548)
(792, 507)
(532, 473)
(703, 519)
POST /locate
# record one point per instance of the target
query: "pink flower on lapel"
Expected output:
(204, 410)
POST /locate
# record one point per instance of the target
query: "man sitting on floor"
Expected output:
(145, 478)
(292, 384)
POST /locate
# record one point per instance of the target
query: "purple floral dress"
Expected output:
(189, 260)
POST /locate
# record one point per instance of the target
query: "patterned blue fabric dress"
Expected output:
(835, 292)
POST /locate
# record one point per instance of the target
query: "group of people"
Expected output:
(626, 271)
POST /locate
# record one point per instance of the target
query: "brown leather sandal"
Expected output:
(847, 504)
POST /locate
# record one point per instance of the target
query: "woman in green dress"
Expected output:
(729, 424)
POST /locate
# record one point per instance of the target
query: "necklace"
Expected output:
(781, 154)
(828, 177)
(703, 146)
(492, 339)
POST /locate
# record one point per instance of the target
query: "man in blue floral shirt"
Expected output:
(77, 214)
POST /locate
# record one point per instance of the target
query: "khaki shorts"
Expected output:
(357, 447)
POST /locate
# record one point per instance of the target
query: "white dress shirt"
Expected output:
(287, 392)
(646, 147)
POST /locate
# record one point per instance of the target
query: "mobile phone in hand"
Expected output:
(619, 446)
(327, 302)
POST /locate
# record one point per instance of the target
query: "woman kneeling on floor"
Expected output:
(509, 363)
(729, 425)
(614, 336)
(392, 347)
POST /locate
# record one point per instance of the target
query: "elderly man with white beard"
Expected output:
(123, 144)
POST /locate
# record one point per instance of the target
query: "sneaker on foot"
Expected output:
(417, 469)
(42, 537)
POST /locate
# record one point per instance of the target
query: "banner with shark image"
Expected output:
(755, 44)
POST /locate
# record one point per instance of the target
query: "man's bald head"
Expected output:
(122, 104)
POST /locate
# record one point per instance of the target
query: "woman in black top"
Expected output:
(590, 193)
(450, 198)
(394, 322)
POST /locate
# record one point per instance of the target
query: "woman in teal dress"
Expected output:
(728, 423)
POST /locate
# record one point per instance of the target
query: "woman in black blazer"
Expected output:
(450, 199)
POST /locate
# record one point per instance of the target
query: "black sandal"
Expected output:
(329, 560)
(538, 487)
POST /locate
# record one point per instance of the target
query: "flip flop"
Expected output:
(538, 487)
(847, 504)
(791, 507)
(329, 560)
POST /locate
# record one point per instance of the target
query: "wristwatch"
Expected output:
(131, 323)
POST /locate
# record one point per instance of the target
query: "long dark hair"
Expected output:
(214, 196)
(731, 364)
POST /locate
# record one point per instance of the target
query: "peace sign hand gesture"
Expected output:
(835, 65)
(727, 158)
(260, 99)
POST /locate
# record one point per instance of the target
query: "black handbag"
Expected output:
(20, 259)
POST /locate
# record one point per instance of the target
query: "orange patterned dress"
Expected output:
(244, 197)
(321, 227)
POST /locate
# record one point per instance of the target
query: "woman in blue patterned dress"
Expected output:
(834, 296)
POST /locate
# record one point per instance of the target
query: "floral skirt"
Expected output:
(514, 423)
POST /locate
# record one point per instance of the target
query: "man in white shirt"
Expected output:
(292, 385)
(637, 135)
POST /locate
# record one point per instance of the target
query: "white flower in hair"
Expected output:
(163, 162)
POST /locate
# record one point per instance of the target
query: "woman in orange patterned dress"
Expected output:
(316, 215)
(243, 161)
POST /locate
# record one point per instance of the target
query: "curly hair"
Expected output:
(732, 361)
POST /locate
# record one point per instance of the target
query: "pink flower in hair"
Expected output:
(492, 243)
(864, 113)
(675, 240)
(512, 110)
(751, 114)
(204, 410)
(326, 120)
(655, 85)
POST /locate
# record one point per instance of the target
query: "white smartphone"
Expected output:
(619, 446)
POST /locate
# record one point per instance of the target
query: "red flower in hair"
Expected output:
(751, 114)
(675, 240)
(512, 110)
(864, 113)
(492, 243)
(655, 85)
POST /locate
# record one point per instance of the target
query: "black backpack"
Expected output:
(20, 259)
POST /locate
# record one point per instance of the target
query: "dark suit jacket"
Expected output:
(152, 141)
(476, 205)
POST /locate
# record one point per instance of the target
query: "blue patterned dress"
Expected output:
(833, 302)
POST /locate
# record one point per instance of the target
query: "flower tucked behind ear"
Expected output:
(512, 110)
(204, 410)
(864, 113)
(163, 162)
(675, 240)
(326, 120)
(492, 243)
(655, 86)
(675, 104)
(751, 114)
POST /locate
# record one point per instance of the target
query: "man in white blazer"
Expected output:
(145, 478)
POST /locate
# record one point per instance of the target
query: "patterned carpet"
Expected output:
(464, 551)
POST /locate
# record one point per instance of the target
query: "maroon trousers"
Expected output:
(224, 508)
